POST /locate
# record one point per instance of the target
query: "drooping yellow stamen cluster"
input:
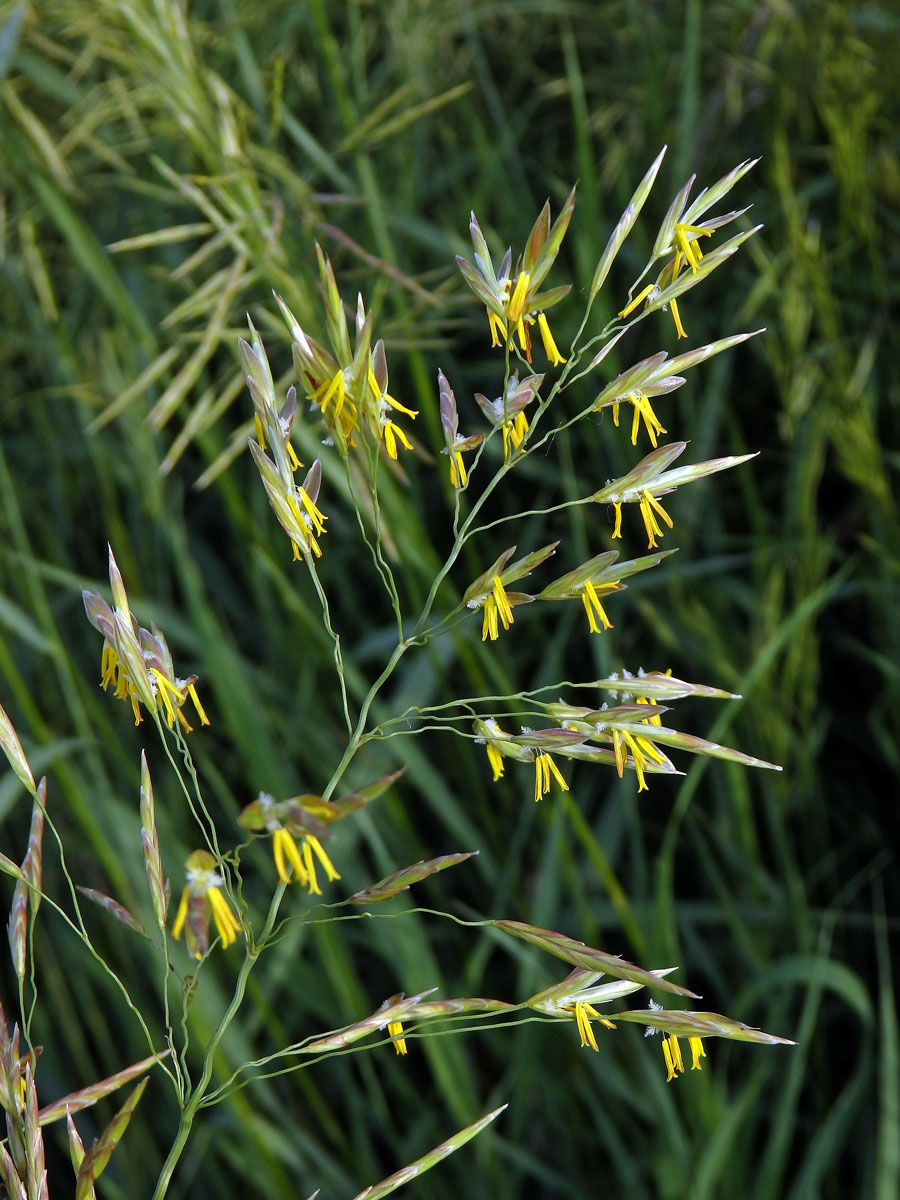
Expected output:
(514, 431)
(226, 922)
(314, 521)
(136, 661)
(495, 758)
(590, 598)
(293, 461)
(111, 669)
(642, 751)
(680, 330)
(650, 508)
(517, 320)
(298, 827)
(689, 248)
(311, 520)
(688, 253)
(293, 504)
(550, 348)
(458, 475)
(330, 396)
(672, 1055)
(515, 308)
(642, 410)
(582, 1013)
(171, 695)
(347, 403)
(391, 433)
(544, 767)
(395, 1029)
(496, 605)
(301, 859)
(498, 329)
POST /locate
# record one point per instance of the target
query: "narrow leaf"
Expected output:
(9, 40)
(162, 237)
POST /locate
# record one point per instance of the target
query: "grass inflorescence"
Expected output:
(164, 170)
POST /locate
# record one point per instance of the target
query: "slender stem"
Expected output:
(178, 1074)
(81, 933)
(189, 1111)
(380, 561)
(531, 512)
(195, 800)
(338, 656)
(355, 737)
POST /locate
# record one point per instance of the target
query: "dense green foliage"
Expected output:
(374, 129)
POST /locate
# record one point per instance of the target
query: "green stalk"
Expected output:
(189, 1112)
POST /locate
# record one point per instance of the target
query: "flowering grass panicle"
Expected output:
(137, 660)
(341, 397)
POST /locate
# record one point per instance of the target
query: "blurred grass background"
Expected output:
(251, 132)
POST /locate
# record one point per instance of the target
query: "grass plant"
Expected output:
(162, 170)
